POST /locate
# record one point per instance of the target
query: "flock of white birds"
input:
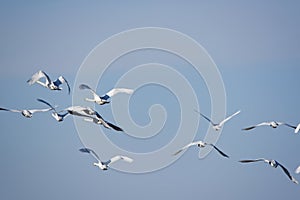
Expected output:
(91, 115)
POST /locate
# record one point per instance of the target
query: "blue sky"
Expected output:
(255, 46)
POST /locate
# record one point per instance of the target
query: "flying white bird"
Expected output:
(273, 124)
(88, 113)
(99, 120)
(200, 144)
(274, 164)
(77, 111)
(297, 171)
(59, 117)
(52, 85)
(106, 164)
(297, 128)
(218, 126)
(72, 110)
(26, 113)
(104, 99)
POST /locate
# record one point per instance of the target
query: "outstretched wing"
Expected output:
(39, 110)
(107, 124)
(99, 116)
(11, 110)
(228, 118)
(48, 104)
(288, 125)
(288, 173)
(252, 160)
(84, 86)
(116, 128)
(37, 76)
(116, 91)
(60, 80)
(261, 124)
(248, 128)
(96, 121)
(206, 118)
(218, 150)
(118, 157)
(186, 147)
(90, 151)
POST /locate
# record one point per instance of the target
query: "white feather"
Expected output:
(119, 90)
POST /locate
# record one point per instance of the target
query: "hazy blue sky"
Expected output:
(255, 46)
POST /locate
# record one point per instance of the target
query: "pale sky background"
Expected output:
(255, 46)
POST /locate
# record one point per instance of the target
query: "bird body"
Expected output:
(273, 124)
(26, 113)
(100, 165)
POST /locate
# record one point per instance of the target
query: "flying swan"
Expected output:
(72, 110)
(200, 144)
(106, 164)
(104, 99)
(26, 113)
(274, 164)
(88, 113)
(272, 124)
(52, 85)
(56, 115)
(218, 126)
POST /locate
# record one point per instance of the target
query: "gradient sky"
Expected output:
(255, 46)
